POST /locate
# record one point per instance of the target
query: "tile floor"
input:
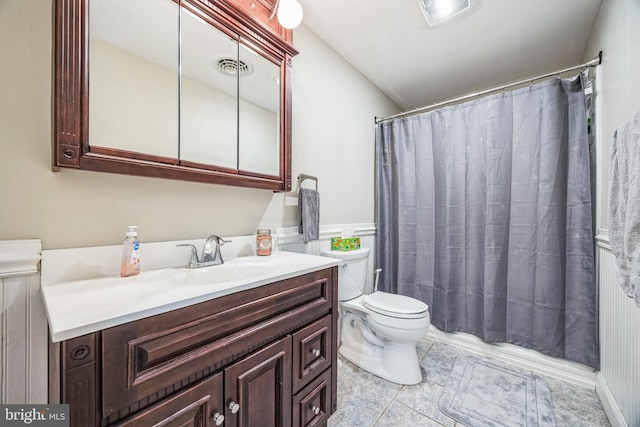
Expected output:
(365, 400)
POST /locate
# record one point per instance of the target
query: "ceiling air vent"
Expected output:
(436, 11)
(231, 67)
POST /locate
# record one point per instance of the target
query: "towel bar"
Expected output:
(303, 176)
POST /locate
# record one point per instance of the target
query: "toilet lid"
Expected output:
(395, 305)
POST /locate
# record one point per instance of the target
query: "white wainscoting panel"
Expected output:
(289, 239)
(23, 325)
(619, 377)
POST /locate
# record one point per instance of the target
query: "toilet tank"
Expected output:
(352, 276)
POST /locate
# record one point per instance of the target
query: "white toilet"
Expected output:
(378, 332)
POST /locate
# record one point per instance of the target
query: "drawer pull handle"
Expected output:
(316, 352)
(315, 409)
(234, 407)
(80, 353)
(218, 418)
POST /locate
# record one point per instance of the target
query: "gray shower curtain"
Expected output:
(484, 213)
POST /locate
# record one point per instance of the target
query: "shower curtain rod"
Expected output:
(592, 63)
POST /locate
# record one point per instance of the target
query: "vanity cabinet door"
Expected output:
(258, 388)
(311, 351)
(312, 406)
(198, 406)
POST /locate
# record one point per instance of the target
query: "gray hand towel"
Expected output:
(309, 212)
(624, 206)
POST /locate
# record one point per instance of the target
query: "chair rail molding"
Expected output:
(19, 257)
(290, 239)
(291, 235)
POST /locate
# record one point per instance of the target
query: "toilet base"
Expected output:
(394, 361)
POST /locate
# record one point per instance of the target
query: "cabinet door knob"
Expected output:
(315, 409)
(315, 352)
(234, 407)
(218, 418)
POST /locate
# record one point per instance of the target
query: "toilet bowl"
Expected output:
(378, 332)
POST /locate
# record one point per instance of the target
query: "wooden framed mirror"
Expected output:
(196, 90)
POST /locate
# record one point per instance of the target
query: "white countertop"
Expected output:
(77, 305)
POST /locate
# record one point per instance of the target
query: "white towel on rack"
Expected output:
(624, 206)
(309, 211)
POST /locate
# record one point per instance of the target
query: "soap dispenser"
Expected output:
(130, 253)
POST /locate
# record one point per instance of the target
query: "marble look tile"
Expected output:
(355, 416)
(398, 414)
(437, 364)
(576, 406)
(423, 347)
(337, 420)
(423, 398)
(362, 396)
(365, 400)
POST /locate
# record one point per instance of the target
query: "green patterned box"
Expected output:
(345, 243)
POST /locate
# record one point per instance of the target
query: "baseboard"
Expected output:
(572, 372)
(611, 408)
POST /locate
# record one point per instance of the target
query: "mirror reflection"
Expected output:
(208, 94)
(133, 75)
(168, 86)
(259, 130)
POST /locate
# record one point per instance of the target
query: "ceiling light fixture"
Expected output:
(289, 13)
(436, 11)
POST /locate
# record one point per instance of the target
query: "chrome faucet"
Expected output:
(209, 256)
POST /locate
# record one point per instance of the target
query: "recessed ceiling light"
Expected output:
(436, 11)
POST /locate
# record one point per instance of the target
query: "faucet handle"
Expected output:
(193, 259)
(219, 240)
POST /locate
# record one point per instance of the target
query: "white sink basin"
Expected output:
(229, 272)
(79, 301)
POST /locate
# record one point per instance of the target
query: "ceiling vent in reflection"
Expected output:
(231, 67)
(436, 11)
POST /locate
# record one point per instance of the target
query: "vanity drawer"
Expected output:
(311, 351)
(162, 353)
(199, 406)
(312, 405)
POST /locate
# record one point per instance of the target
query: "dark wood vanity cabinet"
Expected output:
(260, 357)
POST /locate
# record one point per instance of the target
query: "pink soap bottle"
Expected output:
(130, 254)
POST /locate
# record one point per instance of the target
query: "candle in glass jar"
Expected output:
(263, 242)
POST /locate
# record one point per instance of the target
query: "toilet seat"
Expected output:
(393, 305)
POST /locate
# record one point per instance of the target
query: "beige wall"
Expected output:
(333, 134)
(617, 33)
